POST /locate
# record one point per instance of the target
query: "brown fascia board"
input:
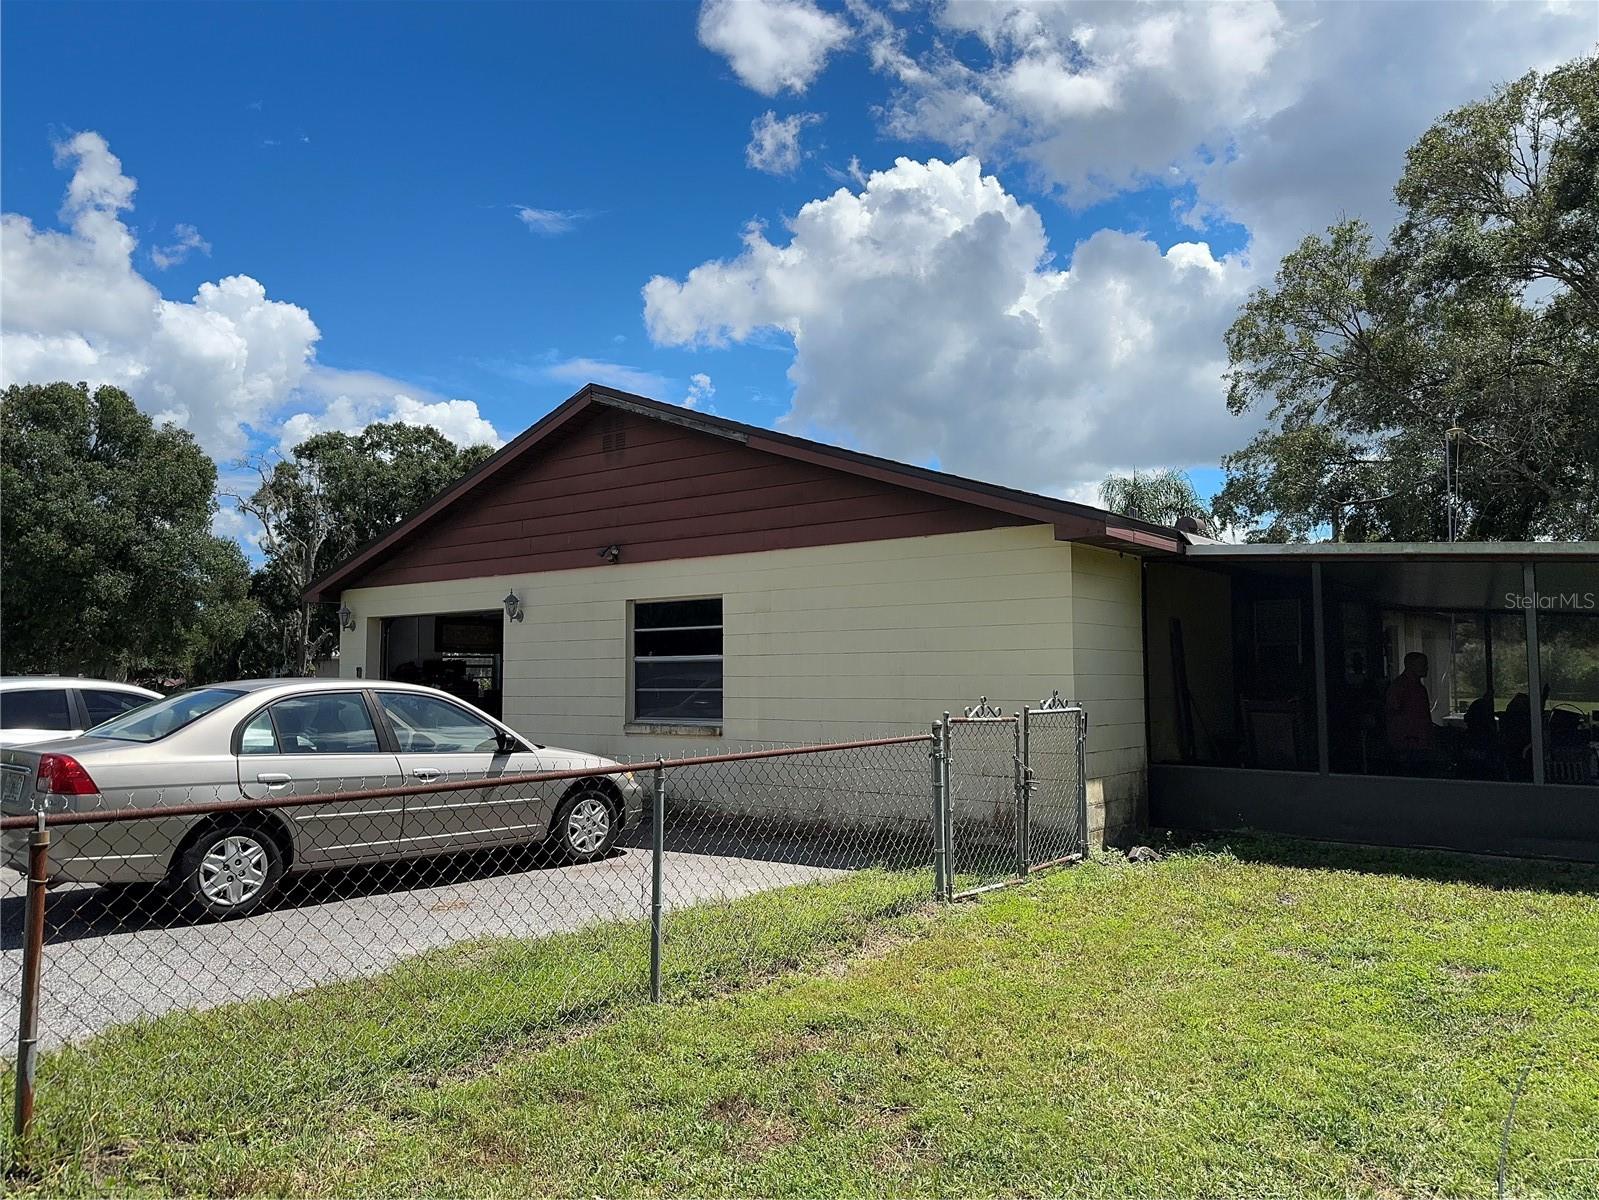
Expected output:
(485, 471)
(1071, 522)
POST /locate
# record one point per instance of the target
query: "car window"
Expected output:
(324, 723)
(423, 724)
(35, 708)
(103, 705)
(155, 720)
(258, 736)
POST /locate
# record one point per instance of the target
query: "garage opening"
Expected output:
(460, 653)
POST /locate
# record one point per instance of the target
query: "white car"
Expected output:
(45, 708)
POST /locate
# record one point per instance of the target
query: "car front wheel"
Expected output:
(586, 826)
(230, 872)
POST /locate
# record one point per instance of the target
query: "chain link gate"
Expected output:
(1054, 736)
(1010, 794)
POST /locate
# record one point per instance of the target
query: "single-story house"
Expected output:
(639, 579)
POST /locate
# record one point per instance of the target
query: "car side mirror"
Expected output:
(505, 743)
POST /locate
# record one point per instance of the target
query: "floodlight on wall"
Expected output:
(346, 617)
(513, 606)
(611, 553)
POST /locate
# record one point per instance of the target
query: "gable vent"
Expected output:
(613, 434)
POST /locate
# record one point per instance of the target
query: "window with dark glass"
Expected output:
(103, 705)
(677, 660)
(35, 708)
(324, 723)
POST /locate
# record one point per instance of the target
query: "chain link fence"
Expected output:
(191, 931)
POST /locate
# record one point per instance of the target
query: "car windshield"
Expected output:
(152, 721)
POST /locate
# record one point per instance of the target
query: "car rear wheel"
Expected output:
(231, 871)
(586, 826)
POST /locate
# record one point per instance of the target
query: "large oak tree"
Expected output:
(1470, 339)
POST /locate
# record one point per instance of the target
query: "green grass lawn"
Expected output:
(1272, 1020)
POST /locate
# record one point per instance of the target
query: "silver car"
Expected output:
(283, 737)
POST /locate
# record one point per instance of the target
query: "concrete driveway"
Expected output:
(112, 957)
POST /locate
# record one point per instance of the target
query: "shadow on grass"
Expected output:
(1437, 866)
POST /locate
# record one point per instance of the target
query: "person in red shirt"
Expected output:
(1407, 716)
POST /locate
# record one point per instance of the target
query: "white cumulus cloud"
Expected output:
(700, 392)
(929, 323)
(73, 307)
(772, 44)
(775, 142)
(223, 364)
(1283, 117)
(349, 401)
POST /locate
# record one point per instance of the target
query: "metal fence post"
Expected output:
(947, 829)
(32, 967)
(1082, 778)
(940, 860)
(1024, 787)
(657, 862)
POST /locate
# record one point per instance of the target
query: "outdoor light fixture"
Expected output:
(611, 553)
(513, 606)
(346, 617)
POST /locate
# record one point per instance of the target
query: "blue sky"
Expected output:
(1025, 319)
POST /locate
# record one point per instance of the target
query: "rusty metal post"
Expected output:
(657, 862)
(32, 966)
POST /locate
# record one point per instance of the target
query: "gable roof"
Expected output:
(1072, 522)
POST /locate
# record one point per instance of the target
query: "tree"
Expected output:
(109, 564)
(1159, 496)
(291, 505)
(333, 494)
(1472, 337)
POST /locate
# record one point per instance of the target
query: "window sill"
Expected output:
(672, 729)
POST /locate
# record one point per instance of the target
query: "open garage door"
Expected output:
(460, 653)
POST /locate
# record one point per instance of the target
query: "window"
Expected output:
(677, 661)
(425, 725)
(258, 736)
(152, 721)
(35, 708)
(324, 723)
(102, 705)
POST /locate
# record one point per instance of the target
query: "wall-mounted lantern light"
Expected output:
(513, 606)
(346, 617)
(611, 553)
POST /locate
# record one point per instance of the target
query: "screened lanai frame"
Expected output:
(1205, 772)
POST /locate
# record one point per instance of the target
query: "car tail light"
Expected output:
(63, 775)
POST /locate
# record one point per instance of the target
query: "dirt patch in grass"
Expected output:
(757, 1132)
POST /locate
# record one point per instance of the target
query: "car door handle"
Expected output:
(273, 779)
(425, 774)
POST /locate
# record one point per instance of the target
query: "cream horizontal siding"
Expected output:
(822, 643)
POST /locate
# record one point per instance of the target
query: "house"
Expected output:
(639, 579)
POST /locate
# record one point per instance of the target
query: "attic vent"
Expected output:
(613, 434)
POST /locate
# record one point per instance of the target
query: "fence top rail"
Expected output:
(109, 815)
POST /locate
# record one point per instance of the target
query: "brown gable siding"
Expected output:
(660, 491)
